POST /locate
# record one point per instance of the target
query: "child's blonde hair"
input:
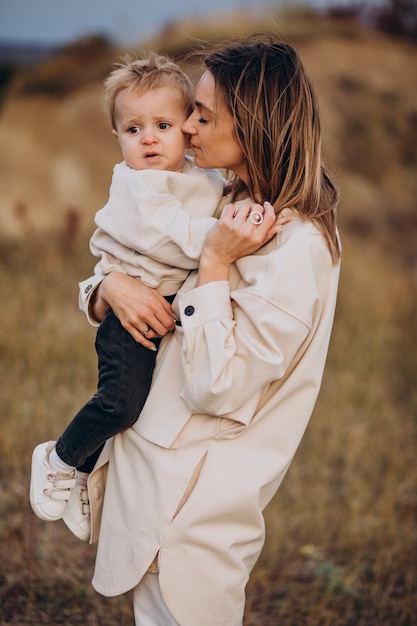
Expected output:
(140, 75)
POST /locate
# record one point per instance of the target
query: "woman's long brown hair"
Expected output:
(265, 86)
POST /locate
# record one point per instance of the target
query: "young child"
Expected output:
(153, 227)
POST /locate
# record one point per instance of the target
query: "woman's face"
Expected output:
(211, 128)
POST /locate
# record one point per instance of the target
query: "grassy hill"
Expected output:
(341, 534)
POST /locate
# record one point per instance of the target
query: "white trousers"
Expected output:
(148, 605)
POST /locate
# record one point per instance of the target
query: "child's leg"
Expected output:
(125, 374)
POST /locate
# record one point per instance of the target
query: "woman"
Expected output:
(235, 384)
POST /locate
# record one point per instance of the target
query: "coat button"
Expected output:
(88, 288)
(189, 310)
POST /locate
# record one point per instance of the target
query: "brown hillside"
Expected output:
(57, 153)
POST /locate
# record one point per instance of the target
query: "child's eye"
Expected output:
(164, 125)
(201, 120)
(133, 130)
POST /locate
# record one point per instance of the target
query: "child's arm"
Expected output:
(163, 215)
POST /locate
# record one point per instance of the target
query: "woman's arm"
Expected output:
(242, 335)
(235, 236)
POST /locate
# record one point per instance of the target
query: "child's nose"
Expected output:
(148, 136)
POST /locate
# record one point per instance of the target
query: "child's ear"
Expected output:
(115, 134)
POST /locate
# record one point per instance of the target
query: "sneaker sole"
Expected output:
(75, 529)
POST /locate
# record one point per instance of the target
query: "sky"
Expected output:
(126, 22)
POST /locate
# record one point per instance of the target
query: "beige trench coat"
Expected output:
(232, 393)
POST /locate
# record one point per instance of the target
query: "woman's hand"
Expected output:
(240, 231)
(140, 309)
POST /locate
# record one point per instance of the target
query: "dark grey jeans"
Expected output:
(125, 370)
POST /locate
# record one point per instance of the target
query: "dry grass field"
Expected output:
(341, 544)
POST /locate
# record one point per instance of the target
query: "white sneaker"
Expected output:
(49, 490)
(77, 513)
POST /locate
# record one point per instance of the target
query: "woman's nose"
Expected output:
(188, 128)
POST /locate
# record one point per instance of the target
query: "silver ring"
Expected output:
(145, 332)
(256, 218)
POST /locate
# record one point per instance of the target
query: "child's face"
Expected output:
(148, 128)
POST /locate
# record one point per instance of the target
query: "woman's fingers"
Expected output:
(283, 218)
(138, 307)
(240, 231)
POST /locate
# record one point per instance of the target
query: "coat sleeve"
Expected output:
(236, 341)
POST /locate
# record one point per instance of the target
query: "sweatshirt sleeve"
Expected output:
(151, 213)
(88, 286)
